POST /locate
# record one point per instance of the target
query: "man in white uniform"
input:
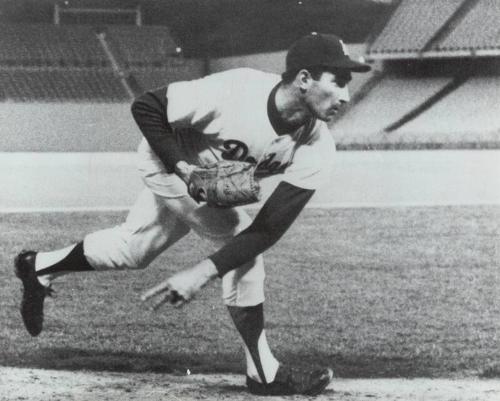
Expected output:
(278, 124)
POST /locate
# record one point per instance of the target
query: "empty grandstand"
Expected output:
(388, 101)
(412, 26)
(142, 46)
(440, 28)
(478, 32)
(441, 82)
(43, 62)
(50, 45)
(466, 115)
(56, 84)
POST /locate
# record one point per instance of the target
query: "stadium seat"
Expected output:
(141, 46)
(466, 35)
(61, 85)
(391, 99)
(50, 45)
(468, 114)
(413, 24)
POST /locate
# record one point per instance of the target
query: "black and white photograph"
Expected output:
(250, 200)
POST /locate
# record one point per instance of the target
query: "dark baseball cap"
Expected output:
(319, 49)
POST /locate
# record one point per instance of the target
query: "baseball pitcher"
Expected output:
(208, 145)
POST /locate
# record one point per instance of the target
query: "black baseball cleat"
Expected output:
(34, 293)
(290, 381)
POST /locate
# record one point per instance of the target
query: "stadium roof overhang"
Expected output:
(433, 54)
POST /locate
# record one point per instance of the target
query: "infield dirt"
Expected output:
(44, 385)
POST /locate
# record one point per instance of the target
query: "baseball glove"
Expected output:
(224, 184)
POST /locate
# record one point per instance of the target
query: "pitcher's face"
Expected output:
(325, 96)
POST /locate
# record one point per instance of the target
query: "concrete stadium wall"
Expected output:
(270, 62)
(67, 127)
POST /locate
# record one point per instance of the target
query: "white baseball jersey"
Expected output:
(225, 116)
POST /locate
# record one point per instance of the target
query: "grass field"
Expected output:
(394, 292)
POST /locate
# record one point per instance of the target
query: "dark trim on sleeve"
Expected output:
(150, 113)
(272, 221)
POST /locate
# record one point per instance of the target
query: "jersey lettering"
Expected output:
(237, 150)
(271, 166)
(234, 150)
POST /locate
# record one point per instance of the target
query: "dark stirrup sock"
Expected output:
(249, 321)
(74, 261)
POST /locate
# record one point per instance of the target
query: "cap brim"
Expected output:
(351, 65)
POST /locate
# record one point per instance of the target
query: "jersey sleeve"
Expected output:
(272, 221)
(149, 113)
(196, 104)
(313, 162)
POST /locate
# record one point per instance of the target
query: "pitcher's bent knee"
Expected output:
(111, 249)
